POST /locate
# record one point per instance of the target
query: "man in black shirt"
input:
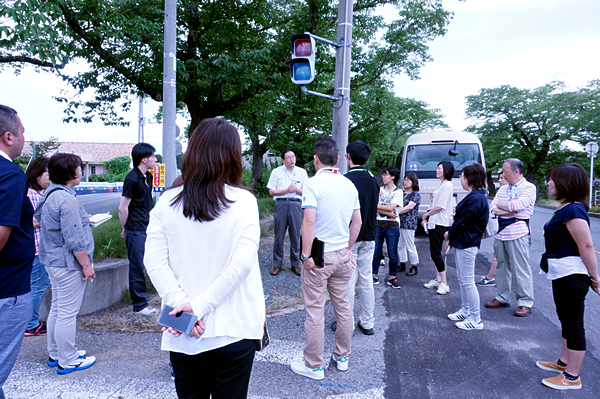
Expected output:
(134, 214)
(358, 153)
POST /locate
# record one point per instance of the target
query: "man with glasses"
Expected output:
(285, 185)
(514, 206)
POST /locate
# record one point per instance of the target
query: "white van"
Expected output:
(424, 151)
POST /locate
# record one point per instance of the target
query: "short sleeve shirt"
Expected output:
(139, 188)
(16, 258)
(442, 197)
(335, 198)
(409, 220)
(282, 178)
(387, 198)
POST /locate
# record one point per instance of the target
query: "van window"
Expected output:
(423, 159)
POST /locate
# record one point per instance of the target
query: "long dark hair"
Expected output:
(213, 160)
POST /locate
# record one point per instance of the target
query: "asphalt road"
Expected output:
(416, 351)
(99, 203)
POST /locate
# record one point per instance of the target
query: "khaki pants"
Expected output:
(334, 277)
(513, 266)
(68, 288)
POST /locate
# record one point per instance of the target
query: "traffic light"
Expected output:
(302, 64)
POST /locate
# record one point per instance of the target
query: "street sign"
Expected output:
(591, 148)
(158, 177)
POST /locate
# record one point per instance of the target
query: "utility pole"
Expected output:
(141, 119)
(343, 57)
(169, 92)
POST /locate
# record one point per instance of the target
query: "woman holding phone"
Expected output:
(202, 257)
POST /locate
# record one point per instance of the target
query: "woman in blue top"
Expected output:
(470, 220)
(571, 264)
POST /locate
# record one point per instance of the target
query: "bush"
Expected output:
(266, 207)
(108, 242)
(117, 170)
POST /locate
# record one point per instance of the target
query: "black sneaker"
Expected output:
(366, 331)
(393, 281)
(375, 280)
(38, 330)
(402, 267)
(413, 271)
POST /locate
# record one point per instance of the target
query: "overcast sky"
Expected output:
(524, 43)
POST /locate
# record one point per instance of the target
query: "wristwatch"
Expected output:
(304, 257)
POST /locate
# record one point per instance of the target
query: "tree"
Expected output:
(45, 148)
(232, 55)
(526, 124)
(117, 168)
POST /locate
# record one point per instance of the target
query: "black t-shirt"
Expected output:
(18, 253)
(557, 237)
(368, 196)
(139, 188)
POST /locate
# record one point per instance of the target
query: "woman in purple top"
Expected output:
(571, 264)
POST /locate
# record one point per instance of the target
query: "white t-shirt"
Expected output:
(386, 198)
(335, 198)
(442, 197)
(282, 178)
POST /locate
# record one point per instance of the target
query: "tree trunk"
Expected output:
(258, 151)
(490, 183)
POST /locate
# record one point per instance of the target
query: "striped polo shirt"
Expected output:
(521, 199)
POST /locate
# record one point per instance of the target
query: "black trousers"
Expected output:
(569, 297)
(135, 241)
(436, 242)
(223, 373)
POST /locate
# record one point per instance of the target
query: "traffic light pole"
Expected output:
(169, 92)
(341, 106)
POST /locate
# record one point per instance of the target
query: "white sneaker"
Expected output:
(80, 364)
(342, 363)
(470, 324)
(458, 316)
(300, 368)
(443, 289)
(147, 311)
(432, 284)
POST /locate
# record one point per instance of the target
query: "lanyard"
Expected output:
(335, 171)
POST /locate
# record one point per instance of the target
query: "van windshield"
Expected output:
(424, 159)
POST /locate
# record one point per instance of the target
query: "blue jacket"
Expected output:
(470, 220)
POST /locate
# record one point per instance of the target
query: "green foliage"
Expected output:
(45, 148)
(158, 158)
(531, 125)
(179, 160)
(108, 242)
(266, 207)
(117, 170)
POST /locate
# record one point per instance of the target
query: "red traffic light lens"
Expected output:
(302, 48)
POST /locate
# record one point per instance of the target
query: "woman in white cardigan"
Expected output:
(202, 257)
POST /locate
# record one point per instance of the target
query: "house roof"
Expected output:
(95, 152)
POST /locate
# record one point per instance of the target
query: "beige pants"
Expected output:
(67, 296)
(334, 278)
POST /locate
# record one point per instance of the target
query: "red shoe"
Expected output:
(38, 330)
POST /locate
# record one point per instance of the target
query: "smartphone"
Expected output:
(182, 321)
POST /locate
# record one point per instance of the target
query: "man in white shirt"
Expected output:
(332, 215)
(285, 184)
(514, 206)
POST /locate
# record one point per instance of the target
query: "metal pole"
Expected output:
(343, 57)
(141, 119)
(592, 181)
(169, 92)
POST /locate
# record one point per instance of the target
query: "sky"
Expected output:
(489, 43)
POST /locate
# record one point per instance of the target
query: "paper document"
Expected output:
(99, 218)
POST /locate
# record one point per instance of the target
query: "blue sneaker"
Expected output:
(172, 371)
(486, 282)
(79, 364)
(54, 362)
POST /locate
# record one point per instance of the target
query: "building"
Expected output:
(92, 154)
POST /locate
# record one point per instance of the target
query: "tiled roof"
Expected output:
(99, 152)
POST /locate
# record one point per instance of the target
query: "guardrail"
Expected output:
(96, 188)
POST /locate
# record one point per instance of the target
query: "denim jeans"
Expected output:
(136, 245)
(391, 236)
(39, 284)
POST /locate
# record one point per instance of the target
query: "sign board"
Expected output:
(591, 148)
(158, 177)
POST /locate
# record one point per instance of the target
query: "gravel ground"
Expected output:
(282, 292)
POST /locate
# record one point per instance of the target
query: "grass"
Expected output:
(108, 242)
(266, 207)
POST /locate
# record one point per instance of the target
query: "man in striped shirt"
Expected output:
(514, 205)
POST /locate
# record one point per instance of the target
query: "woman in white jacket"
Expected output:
(202, 257)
